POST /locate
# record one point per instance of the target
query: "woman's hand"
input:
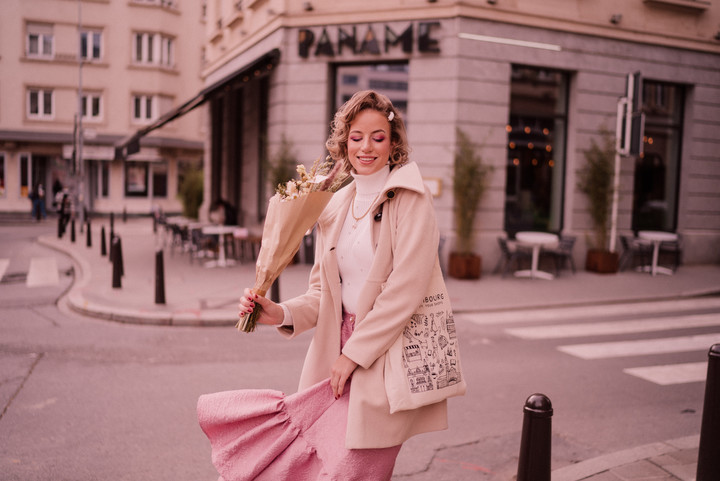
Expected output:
(271, 313)
(341, 370)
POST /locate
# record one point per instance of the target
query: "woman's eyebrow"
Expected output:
(381, 131)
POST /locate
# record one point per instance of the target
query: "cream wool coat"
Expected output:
(398, 278)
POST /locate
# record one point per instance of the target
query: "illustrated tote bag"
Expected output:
(422, 367)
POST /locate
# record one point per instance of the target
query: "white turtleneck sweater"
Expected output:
(354, 249)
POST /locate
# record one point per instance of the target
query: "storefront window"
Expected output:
(390, 79)
(101, 179)
(2, 174)
(136, 179)
(536, 150)
(657, 170)
(160, 180)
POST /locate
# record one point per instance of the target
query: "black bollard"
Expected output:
(159, 278)
(708, 468)
(72, 230)
(124, 214)
(120, 256)
(89, 235)
(275, 290)
(103, 245)
(60, 226)
(116, 268)
(112, 226)
(534, 460)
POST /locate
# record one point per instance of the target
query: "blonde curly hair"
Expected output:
(367, 99)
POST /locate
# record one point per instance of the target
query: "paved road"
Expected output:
(85, 399)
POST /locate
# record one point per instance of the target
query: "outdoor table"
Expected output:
(657, 238)
(536, 240)
(221, 231)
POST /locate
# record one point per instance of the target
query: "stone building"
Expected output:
(532, 83)
(140, 60)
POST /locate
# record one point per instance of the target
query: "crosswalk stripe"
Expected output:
(43, 272)
(602, 350)
(4, 263)
(584, 312)
(671, 373)
(615, 327)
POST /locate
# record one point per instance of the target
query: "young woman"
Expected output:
(356, 308)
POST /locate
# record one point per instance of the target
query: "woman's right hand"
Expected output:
(271, 314)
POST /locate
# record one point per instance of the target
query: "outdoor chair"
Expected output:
(510, 254)
(200, 245)
(632, 249)
(562, 254)
(674, 249)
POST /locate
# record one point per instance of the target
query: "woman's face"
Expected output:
(368, 144)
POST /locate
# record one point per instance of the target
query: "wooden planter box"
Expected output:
(464, 266)
(601, 261)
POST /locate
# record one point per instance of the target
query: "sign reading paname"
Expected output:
(356, 40)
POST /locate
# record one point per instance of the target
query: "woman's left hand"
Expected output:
(341, 370)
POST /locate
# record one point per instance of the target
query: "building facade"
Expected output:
(534, 84)
(61, 119)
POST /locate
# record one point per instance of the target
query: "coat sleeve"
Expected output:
(414, 252)
(305, 308)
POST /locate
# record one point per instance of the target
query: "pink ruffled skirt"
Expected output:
(261, 434)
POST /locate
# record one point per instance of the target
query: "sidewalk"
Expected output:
(200, 296)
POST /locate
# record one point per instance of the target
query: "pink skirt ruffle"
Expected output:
(261, 434)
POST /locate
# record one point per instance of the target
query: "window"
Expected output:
(91, 45)
(25, 174)
(40, 42)
(40, 103)
(390, 79)
(536, 150)
(101, 179)
(153, 49)
(159, 180)
(2, 174)
(657, 170)
(136, 179)
(144, 108)
(92, 107)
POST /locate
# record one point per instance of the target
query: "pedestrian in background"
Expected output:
(356, 318)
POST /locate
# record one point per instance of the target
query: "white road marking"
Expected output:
(583, 312)
(43, 272)
(602, 350)
(4, 263)
(615, 327)
(671, 373)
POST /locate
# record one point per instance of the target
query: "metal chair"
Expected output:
(562, 254)
(673, 248)
(633, 248)
(509, 254)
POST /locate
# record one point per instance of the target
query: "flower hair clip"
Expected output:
(391, 116)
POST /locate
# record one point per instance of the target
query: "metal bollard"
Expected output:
(88, 241)
(535, 445)
(159, 278)
(275, 290)
(103, 245)
(120, 256)
(72, 231)
(116, 268)
(708, 468)
(60, 226)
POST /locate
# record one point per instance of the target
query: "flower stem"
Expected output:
(248, 322)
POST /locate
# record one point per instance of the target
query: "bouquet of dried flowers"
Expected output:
(292, 211)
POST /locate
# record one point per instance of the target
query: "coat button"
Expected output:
(390, 194)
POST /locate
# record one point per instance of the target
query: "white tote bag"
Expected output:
(422, 366)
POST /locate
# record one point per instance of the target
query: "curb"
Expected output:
(591, 467)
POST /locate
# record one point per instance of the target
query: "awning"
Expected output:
(256, 69)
